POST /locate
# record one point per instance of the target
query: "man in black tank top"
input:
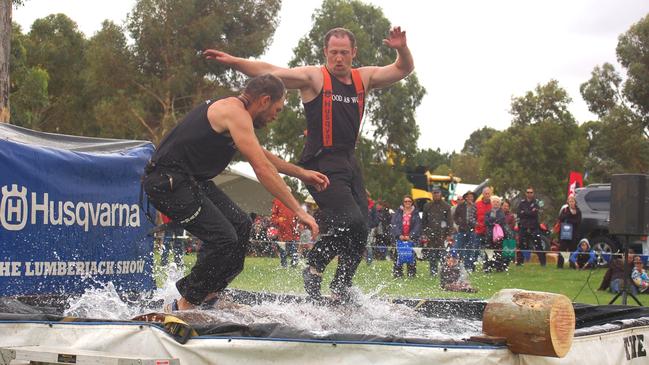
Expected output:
(331, 143)
(178, 182)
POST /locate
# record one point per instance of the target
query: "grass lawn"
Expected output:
(265, 274)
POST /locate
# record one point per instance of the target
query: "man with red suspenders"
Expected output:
(334, 99)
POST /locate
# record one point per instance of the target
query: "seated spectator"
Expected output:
(453, 277)
(406, 228)
(583, 257)
(614, 276)
(639, 275)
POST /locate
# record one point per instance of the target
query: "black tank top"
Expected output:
(194, 147)
(345, 120)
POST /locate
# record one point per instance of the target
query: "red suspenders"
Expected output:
(327, 122)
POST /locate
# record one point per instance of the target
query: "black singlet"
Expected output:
(345, 120)
(194, 147)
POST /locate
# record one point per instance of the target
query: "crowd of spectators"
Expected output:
(453, 239)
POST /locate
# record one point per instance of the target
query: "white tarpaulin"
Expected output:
(239, 182)
(624, 346)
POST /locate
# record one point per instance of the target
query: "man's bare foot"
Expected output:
(178, 305)
(184, 305)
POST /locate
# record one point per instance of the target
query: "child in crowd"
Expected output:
(639, 275)
(614, 276)
(583, 257)
(453, 277)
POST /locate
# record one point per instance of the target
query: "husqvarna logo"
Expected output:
(13, 208)
(16, 210)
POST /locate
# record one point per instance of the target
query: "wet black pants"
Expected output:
(210, 215)
(342, 217)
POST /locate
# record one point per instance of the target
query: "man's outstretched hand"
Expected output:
(396, 39)
(219, 56)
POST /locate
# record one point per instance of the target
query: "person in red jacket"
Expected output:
(286, 223)
(483, 207)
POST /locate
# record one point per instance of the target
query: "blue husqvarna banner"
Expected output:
(69, 215)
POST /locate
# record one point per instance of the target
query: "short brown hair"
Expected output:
(340, 33)
(265, 84)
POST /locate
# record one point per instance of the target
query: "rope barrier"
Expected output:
(482, 249)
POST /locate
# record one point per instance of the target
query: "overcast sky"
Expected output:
(472, 56)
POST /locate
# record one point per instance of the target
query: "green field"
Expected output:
(265, 274)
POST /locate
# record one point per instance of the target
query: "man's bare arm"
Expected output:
(246, 141)
(299, 78)
(309, 177)
(383, 76)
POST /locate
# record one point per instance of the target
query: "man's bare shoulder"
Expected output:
(226, 111)
(311, 83)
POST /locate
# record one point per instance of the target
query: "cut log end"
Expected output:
(562, 326)
(533, 323)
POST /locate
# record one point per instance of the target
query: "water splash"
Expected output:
(105, 302)
(370, 315)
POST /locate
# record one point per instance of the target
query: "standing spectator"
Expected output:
(528, 224)
(583, 257)
(286, 223)
(465, 219)
(171, 242)
(495, 234)
(509, 244)
(510, 219)
(483, 206)
(569, 219)
(639, 275)
(406, 227)
(382, 234)
(437, 226)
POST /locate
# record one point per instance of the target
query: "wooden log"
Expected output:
(534, 323)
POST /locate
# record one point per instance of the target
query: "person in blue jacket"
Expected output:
(583, 257)
(405, 227)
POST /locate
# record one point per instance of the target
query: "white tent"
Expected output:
(239, 182)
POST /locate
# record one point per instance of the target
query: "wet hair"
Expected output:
(340, 33)
(266, 84)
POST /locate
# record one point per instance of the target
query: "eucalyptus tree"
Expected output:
(56, 45)
(158, 75)
(29, 87)
(619, 140)
(540, 148)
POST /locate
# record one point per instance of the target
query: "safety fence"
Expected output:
(602, 257)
